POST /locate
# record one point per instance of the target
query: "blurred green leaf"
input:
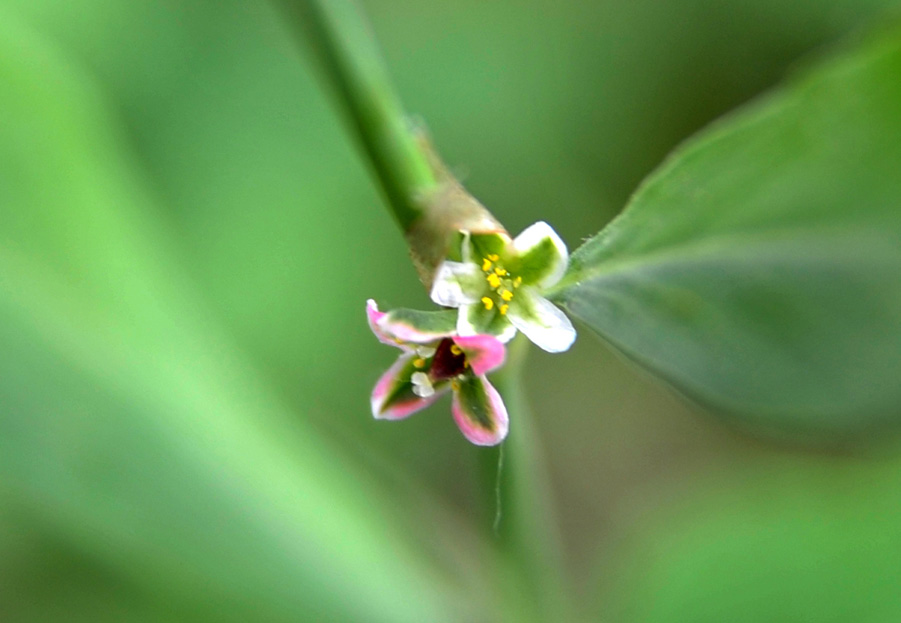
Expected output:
(141, 455)
(759, 269)
(800, 539)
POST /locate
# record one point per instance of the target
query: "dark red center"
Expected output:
(447, 364)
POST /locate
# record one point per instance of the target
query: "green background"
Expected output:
(187, 239)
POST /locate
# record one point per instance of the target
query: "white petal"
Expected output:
(507, 333)
(541, 321)
(537, 234)
(465, 247)
(497, 327)
(464, 324)
(457, 284)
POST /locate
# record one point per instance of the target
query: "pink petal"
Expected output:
(400, 410)
(409, 404)
(375, 316)
(483, 352)
(479, 412)
(418, 327)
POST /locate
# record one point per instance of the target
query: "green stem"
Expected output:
(429, 205)
(351, 61)
(528, 533)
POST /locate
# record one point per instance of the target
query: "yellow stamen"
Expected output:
(419, 362)
(456, 350)
(486, 264)
(493, 257)
(493, 280)
(500, 271)
(506, 295)
(517, 282)
(489, 303)
(455, 385)
(503, 309)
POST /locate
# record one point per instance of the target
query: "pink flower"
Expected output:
(434, 360)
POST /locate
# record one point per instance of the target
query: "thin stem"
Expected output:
(429, 205)
(351, 62)
(528, 531)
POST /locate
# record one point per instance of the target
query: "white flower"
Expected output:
(497, 286)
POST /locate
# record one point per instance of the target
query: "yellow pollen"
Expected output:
(500, 271)
(493, 257)
(506, 295)
(419, 362)
(503, 309)
(456, 350)
(486, 265)
(493, 280)
(489, 303)
(517, 282)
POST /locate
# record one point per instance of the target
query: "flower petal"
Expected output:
(475, 319)
(484, 353)
(374, 316)
(479, 411)
(458, 283)
(542, 255)
(417, 327)
(465, 247)
(541, 321)
(483, 245)
(393, 397)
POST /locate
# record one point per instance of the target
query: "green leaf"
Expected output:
(759, 268)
